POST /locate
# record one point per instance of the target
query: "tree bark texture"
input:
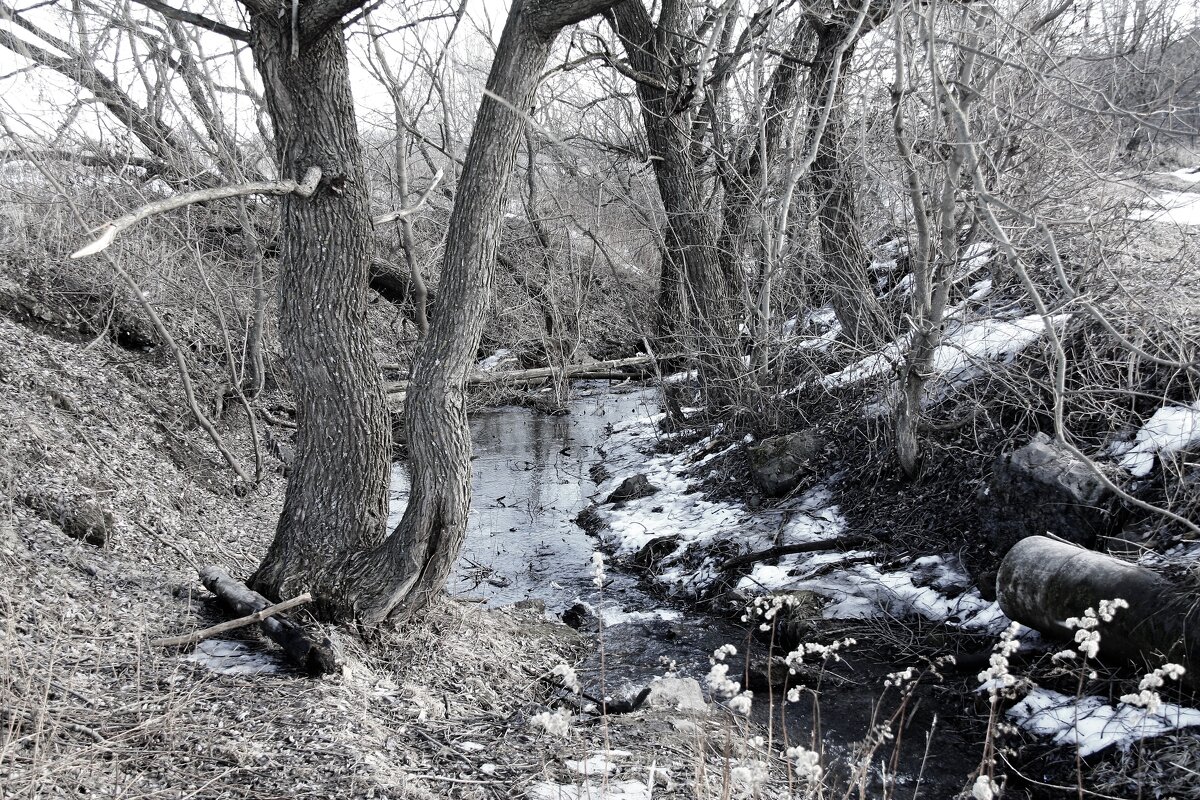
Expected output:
(692, 272)
(843, 255)
(336, 500)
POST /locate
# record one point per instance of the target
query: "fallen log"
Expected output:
(315, 658)
(1043, 581)
(595, 370)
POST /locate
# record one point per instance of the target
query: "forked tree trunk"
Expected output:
(331, 538)
(336, 500)
(404, 572)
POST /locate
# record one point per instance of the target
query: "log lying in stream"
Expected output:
(315, 658)
(614, 369)
(1044, 581)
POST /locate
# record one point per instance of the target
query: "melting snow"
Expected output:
(599, 763)
(1171, 428)
(934, 587)
(1092, 723)
(1188, 174)
(1178, 208)
(233, 658)
(496, 359)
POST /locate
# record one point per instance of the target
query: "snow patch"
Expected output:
(225, 657)
(1092, 724)
(1177, 208)
(501, 356)
(1168, 430)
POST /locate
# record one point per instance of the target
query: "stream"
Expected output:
(531, 479)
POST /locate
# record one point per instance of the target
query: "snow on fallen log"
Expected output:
(1042, 582)
(962, 355)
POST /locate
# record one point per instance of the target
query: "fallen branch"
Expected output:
(233, 624)
(595, 370)
(108, 232)
(839, 543)
(315, 658)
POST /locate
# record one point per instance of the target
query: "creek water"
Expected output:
(531, 479)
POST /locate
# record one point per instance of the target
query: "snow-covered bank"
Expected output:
(700, 532)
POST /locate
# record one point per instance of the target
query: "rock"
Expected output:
(590, 520)
(778, 464)
(677, 694)
(83, 519)
(534, 604)
(632, 488)
(654, 551)
(577, 616)
(1043, 488)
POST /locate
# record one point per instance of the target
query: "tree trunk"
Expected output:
(843, 255)
(336, 500)
(692, 269)
(403, 573)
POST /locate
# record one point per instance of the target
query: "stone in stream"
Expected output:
(778, 464)
(653, 552)
(634, 487)
(677, 694)
(1043, 487)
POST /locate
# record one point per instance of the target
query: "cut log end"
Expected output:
(1042, 582)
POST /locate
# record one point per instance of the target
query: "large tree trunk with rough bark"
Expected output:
(693, 274)
(331, 539)
(404, 572)
(336, 500)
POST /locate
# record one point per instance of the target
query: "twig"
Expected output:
(108, 232)
(240, 622)
(407, 211)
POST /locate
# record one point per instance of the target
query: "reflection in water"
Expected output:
(530, 481)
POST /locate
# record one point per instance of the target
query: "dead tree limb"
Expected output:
(598, 370)
(1044, 581)
(233, 624)
(408, 211)
(108, 232)
(839, 543)
(315, 658)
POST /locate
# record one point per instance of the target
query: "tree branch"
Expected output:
(109, 231)
(407, 211)
(199, 20)
(233, 624)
